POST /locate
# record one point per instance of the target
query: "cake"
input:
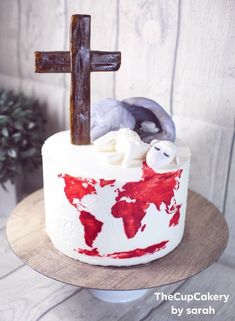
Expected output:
(121, 200)
(115, 184)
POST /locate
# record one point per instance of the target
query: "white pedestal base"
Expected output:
(118, 296)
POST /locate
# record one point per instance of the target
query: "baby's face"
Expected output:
(160, 154)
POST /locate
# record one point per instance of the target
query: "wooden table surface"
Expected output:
(205, 238)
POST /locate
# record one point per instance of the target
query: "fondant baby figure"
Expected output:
(126, 148)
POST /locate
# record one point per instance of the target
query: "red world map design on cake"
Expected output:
(131, 205)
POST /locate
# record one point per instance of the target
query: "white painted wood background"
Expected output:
(177, 52)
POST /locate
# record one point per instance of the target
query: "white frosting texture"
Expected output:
(112, 215)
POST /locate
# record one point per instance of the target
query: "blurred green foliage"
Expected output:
(22, 133)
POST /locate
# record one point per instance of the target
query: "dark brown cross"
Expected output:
(79, 61)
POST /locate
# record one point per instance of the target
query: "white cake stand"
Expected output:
(205, 238)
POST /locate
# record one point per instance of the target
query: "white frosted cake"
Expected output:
(119, 201)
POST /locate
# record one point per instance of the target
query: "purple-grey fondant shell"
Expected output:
(143, 115)
(107, 115)
(144, 109)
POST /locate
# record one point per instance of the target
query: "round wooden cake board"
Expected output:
(205, 238)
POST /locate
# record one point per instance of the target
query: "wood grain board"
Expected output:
(31, 17)
(204, 240)
(30, 295)
(203, 92)
(209, 169)
(12, 262)
(147, 39)
(9, 45)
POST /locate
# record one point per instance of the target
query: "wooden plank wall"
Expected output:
(178, 52)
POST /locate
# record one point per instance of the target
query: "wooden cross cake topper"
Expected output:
(79, 61)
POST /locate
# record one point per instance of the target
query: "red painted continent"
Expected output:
(126, 254)
(92, 226)
(134, 198)
(75, 189)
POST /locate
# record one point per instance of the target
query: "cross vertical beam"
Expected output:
(80, 79)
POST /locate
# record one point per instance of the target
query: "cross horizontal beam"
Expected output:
(59, 61)
(79, 62)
